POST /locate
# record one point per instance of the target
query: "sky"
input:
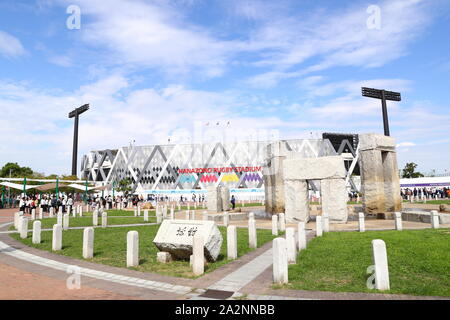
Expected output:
(154, 70)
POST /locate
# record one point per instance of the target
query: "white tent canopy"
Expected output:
(16, 186)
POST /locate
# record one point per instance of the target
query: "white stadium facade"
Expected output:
(183, 169)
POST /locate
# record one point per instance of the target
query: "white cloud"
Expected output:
(10, 46)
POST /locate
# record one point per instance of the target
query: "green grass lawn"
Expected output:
(110, 248)
(431, 202)
(123, 213)
(419, 262)
(48, 223)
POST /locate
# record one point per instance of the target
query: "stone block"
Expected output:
(275, 225)
(334, 200)
(331, 167)
(176, 236)
(361, 222)
(319, 228)
(23, 227)
(291, 246)
(296, 200)
(163, 257)
(371, 141)
(57, 237)
(252, 237)
(301, 235)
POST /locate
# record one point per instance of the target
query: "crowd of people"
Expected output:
(429, 193)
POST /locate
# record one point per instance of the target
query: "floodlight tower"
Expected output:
(382, 95)
(75, 114)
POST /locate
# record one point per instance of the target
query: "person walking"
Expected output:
(233, 202)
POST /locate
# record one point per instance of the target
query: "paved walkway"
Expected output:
(249, 277)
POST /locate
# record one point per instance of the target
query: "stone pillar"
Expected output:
(23, 227)
(398, 221)
(135, 212)
(145, 215)
(393, 199)
(16, 220)
(57, 237)
(33, 214)
(280, 264)
(41, 213)
(198, 263)
(381, 264)
(225, 197)
(88, 243)
(362, 225)
(301, 236)
(104, 219)
(296, 200)
(252, 240)
(319, 230)
(226, 219)
(232, 243)
(372, 181)
(275, 225)
(325, 222)
(36, 232)
(214, 200)
(291, 246)
(132, 249)
(81, 211)
(172, 213)
(95, 218)
(59, 218)
(334, 199)
(66, 218)
(282, 222)
(188, 216)
(380, 183)
(434, 217)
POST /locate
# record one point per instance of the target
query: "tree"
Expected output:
(410, 171)
(16, 171)
(125, 185)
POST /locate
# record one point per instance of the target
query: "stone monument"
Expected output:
(380, 181)
(176, 237)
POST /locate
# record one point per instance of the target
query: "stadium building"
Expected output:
(183, 169)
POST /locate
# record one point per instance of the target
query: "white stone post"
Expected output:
(434, 217)
(326, 222)
(81, 211)
(41, 213)
(16, 220)
(36, 232)
(132, 249)
(362, 224)
(398, 221)
(135, 211)
(282, 222)
(104, 219)
(57, 237)
(319, 230)
(232, 242)
(172, 213)
(280, 264)
(33, 214)
(66, 219)
(187, 215)
(192, 216)
(88, 243)
(252, 240)
(291, 246)
(301, 236)
(381, 264)
(59, 218)
(145, 215)
(52, 212)
(60, 209)
(159, 217)
(95, 218)
(23, 227)
(198, 265)
(274, 225)
(226, 219)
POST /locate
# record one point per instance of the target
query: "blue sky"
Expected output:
(153, 70)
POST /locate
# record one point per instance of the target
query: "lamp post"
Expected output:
(57, 190)
(76, 114)
(382, 95)
(24, 186)
(86, 192)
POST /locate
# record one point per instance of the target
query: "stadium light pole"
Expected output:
(76, 114)
(382, 95)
